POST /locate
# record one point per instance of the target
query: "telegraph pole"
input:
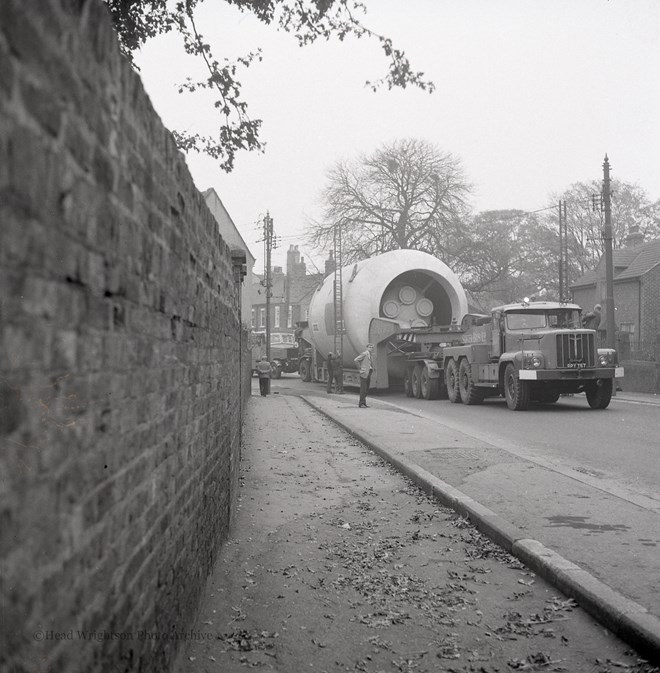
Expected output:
(563, 251)
(268, 279)
(610, 340)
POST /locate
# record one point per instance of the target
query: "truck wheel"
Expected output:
(515, 390)
(470, 394)
(451, 377)
(416, 382)
(407, 385)
(429, 387)
(305, 371)
(600, 394)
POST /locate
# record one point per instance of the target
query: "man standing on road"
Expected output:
(330, 365)
(263, 371)
(366, 364)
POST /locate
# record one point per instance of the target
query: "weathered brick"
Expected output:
(112, 340)
(6, 73)
(32, 168)
(45, 108)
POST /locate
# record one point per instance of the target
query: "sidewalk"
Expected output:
(337, 562)
(641, 398)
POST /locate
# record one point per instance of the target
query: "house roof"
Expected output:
(628, 263)
(647, 258)
(211, 194)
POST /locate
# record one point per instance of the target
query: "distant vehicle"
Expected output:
(283, 352)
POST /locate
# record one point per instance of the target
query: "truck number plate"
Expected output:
(576, 365)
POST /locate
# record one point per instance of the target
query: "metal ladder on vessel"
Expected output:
(338, 295)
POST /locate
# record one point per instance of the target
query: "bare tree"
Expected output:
(408, 194)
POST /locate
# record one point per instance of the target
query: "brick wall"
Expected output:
(650, 328)
(120, 355)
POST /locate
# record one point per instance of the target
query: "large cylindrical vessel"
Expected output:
(409, 287)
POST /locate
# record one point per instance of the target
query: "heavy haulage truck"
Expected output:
(414, 309)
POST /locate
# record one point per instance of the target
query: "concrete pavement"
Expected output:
(629, 605)
(338, 563)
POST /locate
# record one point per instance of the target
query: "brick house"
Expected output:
(636, 295)
(291, 293)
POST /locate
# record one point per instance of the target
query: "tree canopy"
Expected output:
(631, 207)
(509, 254)
(137, 21)
(406, 194)
(512, 254)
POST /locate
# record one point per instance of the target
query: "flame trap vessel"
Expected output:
(385, 301)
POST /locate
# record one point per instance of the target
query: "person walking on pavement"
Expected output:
(264, 371)
(338, 369)
(330, 365)
(365, 361)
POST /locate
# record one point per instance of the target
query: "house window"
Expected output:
(262, 317)
(628, 327)
(277, 316)
(289, 320)
(253, 319)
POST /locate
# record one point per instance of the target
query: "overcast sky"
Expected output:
(530, 94)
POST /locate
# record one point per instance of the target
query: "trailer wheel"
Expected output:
(470, 394)
(416, 382)
(515, 390)
(599, 394)
(451, 377)
(407, 384)
(430, 388)
(305, 371)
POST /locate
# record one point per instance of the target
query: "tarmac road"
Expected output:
(338, 563)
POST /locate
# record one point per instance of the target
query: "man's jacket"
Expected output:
(263, 369)
(366, 363)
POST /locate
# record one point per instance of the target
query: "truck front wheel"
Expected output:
(599, 394)
(305, 371)
(515, 390)
(470, 394)
(451, 377)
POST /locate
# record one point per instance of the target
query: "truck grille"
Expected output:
(576, 349)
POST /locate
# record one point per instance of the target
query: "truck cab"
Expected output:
(531, 351)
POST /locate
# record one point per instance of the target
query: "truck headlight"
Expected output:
(606, 357)
(533, 361)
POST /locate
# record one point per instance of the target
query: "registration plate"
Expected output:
(576, 365)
